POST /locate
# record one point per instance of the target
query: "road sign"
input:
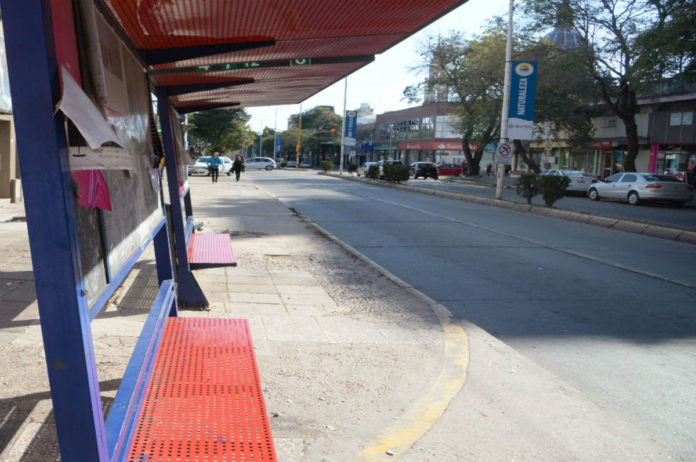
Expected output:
(300, 62)
(504, 154)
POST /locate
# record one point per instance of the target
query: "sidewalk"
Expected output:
(352, 362)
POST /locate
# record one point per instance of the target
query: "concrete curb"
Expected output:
(629, 226)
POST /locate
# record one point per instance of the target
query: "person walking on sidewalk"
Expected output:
(489, 167)
(214, 164)
(237, 167)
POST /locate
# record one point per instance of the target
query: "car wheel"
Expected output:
(269, 168)
(593, 194)
(633, 198)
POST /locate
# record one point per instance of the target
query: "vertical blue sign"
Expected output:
(522, 94)
(351, 128)
(277, 144)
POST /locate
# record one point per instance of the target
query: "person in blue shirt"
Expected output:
(214, 164)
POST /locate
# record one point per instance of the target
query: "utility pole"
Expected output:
(275, 133)
(343, 128)
(506, 101)
(299, 140)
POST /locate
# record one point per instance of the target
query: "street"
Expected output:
(658, 213)
(609, 313)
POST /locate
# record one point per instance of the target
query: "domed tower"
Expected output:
(564, 35)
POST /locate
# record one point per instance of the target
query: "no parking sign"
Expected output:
(504, 154)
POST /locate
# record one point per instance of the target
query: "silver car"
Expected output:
(362, 170)
(579, 180)
(259, 163)
(637, 187)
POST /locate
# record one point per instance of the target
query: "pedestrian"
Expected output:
(237, 166)
(214, 165)
(489, 167)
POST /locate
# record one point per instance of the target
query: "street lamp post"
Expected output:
(506, 101)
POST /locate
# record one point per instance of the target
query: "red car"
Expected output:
(449, 169)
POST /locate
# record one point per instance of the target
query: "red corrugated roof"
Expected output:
(336, 36)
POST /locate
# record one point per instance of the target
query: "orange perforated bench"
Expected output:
(204, 400)
(207, 250)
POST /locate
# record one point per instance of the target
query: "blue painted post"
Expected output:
(188, 291)
(51, 221)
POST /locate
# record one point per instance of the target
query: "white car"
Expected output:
(637, 187)
(579, 180)
(201, 166)
(259, 163)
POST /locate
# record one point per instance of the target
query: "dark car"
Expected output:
(425, 170)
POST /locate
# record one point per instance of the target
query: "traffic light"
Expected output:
(265, 131)
(333, 131)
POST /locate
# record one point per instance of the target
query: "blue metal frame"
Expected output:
(189, 292)
(123, 416)
(114, 283)
(52, 225)
(65, 316)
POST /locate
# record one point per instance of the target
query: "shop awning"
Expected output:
(221, 53)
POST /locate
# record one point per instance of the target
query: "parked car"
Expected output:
(449, 169)
(305, 164)
(200, 168)
(384, 162)
(425, 170)
(637, 187)
(260, 163)
(579, 180)
(362, 170)
(292, 163)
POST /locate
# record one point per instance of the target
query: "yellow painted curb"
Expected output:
(411, 426)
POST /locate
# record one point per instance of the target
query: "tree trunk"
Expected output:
(473, 160)
(522, 152)
(625, 108)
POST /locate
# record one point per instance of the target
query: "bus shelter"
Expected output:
(93, 84)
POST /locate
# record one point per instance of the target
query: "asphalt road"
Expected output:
(608, 312)
(657, 213)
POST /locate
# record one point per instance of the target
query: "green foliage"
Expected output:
(624, 45)
(316, 119)
(372, 172)
(527, 186)
(326, 165)
(352, 168)
(222, 129)
(552, 188)
(283, 163)
(396, 173)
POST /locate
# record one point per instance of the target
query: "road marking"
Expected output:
(544, 245)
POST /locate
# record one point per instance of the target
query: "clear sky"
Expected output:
(381, 83)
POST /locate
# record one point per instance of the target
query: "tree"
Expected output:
(472, 72)
(222, 129)
(613, 47)
(317, 126)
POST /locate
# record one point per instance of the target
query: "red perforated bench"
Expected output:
(204, 400)
(208, 250)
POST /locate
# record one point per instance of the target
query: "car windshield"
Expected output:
(203, 159)
(573, 173)
(668, 178)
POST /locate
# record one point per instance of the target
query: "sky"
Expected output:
(381, 83)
